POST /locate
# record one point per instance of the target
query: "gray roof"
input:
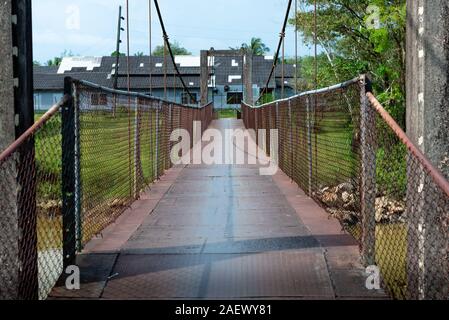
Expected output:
(47, 78)
(55, 81)
(141, 66)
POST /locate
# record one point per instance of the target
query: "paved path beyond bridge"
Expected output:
(222, 232)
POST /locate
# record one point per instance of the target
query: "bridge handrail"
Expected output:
(132, 93)
(5, 154)
(436, 175)
(334, 87)
(363, 169)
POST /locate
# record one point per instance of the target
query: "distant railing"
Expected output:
(75, 172)
(341, 147)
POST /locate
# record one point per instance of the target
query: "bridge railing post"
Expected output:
(137, 149)
(368, 188)
(70, 163)
(290, 138)
(309, 144)
(156, 160)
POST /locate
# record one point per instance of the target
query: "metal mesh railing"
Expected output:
(124, 145)
(31, 211)
(348, 154)
(74, 173)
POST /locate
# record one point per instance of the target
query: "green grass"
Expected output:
(226, 113)
(107, 179)
(335, 161)
(391, 257)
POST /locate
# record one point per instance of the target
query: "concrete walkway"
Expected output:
(222, 232)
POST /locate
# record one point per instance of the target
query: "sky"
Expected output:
(89, 27)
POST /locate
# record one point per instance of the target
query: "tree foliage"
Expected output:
(115, 54)
(56, 61)
(176, 48)
(255, 46)
(352, 44)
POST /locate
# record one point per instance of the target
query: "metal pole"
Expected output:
(290, 137)
(309, 144)
(296, 47)
(283, 67)
(157, 140)
(128, 76)
(77, 164)
(165, 70)
(150, 32)
(368, 175)
(170, 125)
(68, 177)
(137, 163)
(117, 51)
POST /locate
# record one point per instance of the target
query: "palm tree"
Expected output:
(256, 47)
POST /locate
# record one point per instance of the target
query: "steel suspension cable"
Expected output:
(315, 107)
(150, 32)
(282, 36)
(296, 47)
(129, 97)
(166, 39)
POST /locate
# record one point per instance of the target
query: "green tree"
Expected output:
(256, 47)
(56, 61)
(139, 54)
(352, 45)
(114, 54)
(176, 48)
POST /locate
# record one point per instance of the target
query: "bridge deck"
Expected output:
(222, 232)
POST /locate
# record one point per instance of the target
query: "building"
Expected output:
(226, 83)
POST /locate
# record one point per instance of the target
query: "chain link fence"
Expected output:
(74, 173)
(343, 149)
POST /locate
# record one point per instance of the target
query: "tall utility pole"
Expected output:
(18, 221)
(119, 41)
(428, 127)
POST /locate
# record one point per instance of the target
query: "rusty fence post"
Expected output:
(368, 174)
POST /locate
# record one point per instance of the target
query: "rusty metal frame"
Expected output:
(33, 129)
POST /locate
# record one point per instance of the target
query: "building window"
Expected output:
(99, 99)
(186, 99)
(234, 97)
